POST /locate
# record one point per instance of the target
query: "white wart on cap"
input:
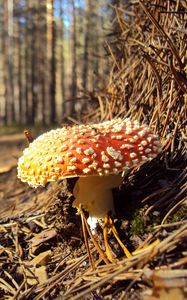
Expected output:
(86, 150)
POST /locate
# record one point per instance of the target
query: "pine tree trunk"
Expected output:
(70, 107)
(86, 44)
(62, 68)
(2, 77)
(9, 61)
(50, 72)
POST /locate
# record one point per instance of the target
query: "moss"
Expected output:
(155, 218)
(138, 223)
(179, 215)
(142, 224)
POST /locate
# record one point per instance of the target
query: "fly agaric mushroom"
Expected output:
(97, 154)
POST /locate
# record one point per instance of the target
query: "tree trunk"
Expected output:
(2, 70)
(50, 72)
(62, 69)
(86, 44)
(28, 62)
(70, 107)
(9, 61)
(53, 67)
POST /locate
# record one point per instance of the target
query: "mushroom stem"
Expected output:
(95, 194)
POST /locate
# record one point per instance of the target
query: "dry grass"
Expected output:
(148, 81)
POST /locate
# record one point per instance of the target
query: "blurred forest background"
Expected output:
(50, 52)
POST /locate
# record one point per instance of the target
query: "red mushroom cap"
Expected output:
(84, 150)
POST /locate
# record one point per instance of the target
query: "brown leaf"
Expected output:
(41, 274)
(35, 270)
(42, 237)
(41, 259)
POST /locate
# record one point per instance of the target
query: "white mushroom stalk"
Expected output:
(97, 154)
(95, 195)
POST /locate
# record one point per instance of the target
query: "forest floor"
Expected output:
(15, 198)
(11, 146)
(42, 250)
